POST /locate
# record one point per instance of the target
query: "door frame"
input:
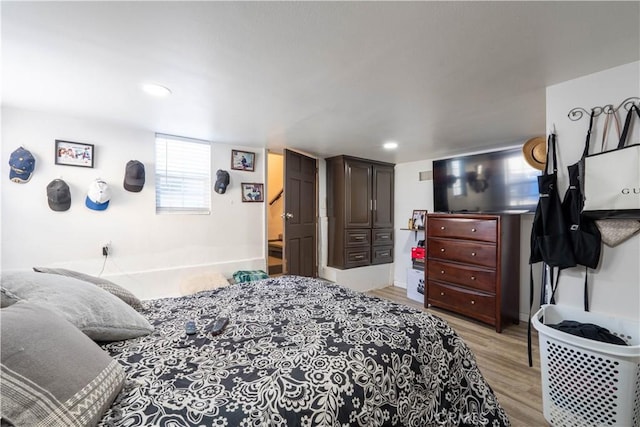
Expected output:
(318, 248)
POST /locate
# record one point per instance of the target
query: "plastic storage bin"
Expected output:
(415, 285)
(586, 382)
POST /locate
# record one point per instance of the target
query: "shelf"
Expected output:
(415, 231)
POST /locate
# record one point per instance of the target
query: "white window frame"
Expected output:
(183, 175)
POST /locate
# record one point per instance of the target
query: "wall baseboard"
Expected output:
(165, 282)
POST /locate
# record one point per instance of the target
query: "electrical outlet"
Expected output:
(105, 248)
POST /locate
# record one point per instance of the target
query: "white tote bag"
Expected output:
(612, 179)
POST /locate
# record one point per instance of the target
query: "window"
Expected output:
(183, 175)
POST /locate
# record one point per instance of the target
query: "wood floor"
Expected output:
(502, 359)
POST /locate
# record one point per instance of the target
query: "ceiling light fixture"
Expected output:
(156, 90)
(391, 145)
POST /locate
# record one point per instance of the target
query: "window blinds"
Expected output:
(183, 175)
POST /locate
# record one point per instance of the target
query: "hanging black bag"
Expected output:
(550, 240)
(585, 236)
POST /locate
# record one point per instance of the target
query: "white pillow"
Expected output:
(99, 314)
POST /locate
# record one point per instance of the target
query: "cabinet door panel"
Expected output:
(358, 194)
(382, 196)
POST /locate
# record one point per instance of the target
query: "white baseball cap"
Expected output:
(98, 195)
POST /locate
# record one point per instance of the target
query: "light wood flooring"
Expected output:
(502, 359)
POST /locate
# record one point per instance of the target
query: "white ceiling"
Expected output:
(328, 78)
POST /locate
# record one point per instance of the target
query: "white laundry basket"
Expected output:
(587, 382)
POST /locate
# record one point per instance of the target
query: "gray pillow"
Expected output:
(6, 299)
(105, 284)
(97, 313)
(52, 374)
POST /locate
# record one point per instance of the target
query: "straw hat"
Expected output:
(535, 152)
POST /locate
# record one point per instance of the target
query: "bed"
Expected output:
(297, 352)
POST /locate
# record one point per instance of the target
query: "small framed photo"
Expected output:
(252, 192)
(243, 160)
(74, 154)
(419, 218)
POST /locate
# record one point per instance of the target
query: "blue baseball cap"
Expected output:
(98, 196)
(22, 164)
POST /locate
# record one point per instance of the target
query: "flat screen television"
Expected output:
(493, 182)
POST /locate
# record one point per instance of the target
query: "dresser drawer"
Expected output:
(463, 301)
(357, 237)
(470, 277)
(382, 254)
(382, 236)
(357, 257)
(475, 253)
(484, 230)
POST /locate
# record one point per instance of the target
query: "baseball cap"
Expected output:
(98, 195)
(58, 195)
(222, 181)
(134, 176)
(22, 165)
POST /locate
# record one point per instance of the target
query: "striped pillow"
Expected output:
(52, 374)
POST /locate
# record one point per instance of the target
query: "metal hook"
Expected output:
(577, 113)
(626, 104)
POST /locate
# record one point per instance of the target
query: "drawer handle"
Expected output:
(472, 302)
(473, 254)
(442, 228)
(442, 294)
(385, 254)
(441, 249)
(473, 230)
(359, 256)
(441, 271)
(473, 277)
(359, 237)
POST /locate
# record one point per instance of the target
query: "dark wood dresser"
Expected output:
(473, 266)
(360, 212)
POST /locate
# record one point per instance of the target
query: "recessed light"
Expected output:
(156, 90)
(391, 145)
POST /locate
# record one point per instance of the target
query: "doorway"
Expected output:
(275, 210)
(292, 214)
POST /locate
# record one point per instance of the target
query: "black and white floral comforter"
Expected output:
(298, 352)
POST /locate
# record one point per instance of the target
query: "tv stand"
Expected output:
(473, 266)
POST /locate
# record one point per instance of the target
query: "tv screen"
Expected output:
(494, 182)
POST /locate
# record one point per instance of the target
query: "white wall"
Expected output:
(410, 193)
(150, 253)
(615, 285)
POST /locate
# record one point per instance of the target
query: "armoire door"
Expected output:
(358, 201)
(382, 196)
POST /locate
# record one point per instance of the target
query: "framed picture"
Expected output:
(243, 160)
(74, 154)
(419, 218)
(252, 192)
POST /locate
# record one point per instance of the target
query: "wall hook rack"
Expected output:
(578, 112)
